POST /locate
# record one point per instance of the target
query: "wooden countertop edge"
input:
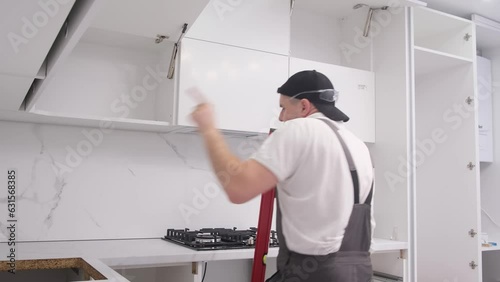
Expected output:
(63, 263)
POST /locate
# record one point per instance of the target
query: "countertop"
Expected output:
(107, 254)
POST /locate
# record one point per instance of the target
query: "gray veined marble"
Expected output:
(128, 185)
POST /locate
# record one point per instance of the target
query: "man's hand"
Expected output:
(203, 115)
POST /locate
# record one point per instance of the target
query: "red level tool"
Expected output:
(263, 234)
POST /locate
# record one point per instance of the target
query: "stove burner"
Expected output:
(217, 238)
(204, 238)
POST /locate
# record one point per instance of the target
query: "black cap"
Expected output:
(318, 89)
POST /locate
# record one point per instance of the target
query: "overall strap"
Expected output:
(352, 165)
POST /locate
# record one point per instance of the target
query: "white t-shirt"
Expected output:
(316, 192)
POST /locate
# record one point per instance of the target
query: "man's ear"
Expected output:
(306, 106)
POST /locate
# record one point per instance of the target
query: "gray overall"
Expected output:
(350, 264)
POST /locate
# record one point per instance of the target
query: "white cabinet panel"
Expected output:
(447, 191)
(28, 29)
(356, 97)
(12, 91)
(241, 84)
(258, 24)
(148, 18)
(484, 86)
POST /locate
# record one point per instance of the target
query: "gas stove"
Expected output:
(217, 238)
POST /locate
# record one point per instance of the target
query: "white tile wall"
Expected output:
(80, 183)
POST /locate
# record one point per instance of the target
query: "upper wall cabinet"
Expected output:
(259, 24)
(240, 83)
(27, 31)
(356, 94)
(113, 66)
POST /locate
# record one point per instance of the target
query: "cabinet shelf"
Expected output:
(443, 32)
(429, 61)
(43, 117)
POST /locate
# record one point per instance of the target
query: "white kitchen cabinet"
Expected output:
(240, 83)
(445, 164)
(485, 110)
(111, 76)
(356, 94)
(28, 29)
(112, 68)
(259, 24)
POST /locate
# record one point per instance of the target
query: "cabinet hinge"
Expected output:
(469, 100)
(467, 37)
(471, 166)
(472, 233)
(159, 38)
(473, 265)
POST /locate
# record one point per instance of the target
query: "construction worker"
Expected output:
(324, 178)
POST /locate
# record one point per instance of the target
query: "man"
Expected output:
(324, 179)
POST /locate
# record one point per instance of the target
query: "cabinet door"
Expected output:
(447, 176)
(240, 83)
(484, 86)
(258, 24)
(356, 97)
(28, 30)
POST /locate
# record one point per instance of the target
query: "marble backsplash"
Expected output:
(77, 183)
